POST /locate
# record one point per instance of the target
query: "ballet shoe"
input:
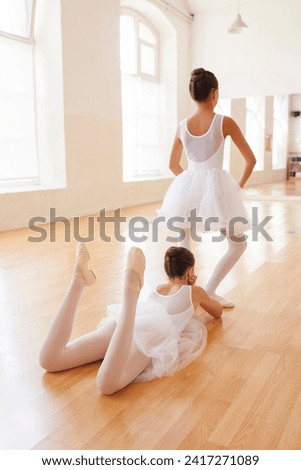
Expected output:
(81, 269)
(136, 262)
(225, 303)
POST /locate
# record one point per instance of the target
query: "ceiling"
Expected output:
(195, 6)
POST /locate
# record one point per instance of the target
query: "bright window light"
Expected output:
(146, 35)
(255, 128)
(18, 148)
(148, 60)
(18, 152)
(32, 153)
(142, 148)
(128, 45)
(15, 16)
(280, 131)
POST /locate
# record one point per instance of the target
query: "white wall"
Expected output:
(265, 60)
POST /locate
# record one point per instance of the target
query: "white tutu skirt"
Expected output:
(211, 193)
(170, 348)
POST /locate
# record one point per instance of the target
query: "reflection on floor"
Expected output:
(290, 190)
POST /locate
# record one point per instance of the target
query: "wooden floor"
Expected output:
(244, 392)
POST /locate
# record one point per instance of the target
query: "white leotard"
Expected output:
(205, 190)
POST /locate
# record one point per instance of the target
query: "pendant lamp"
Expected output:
(239, 26)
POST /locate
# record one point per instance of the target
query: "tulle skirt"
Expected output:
(212, 195)
(169, 348)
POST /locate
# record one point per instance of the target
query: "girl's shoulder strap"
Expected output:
(218, 123)
(218, 118)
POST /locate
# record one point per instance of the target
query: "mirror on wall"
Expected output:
(272, 127)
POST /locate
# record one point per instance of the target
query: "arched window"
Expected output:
(18, 150)
(139, 54)
(32, 153)
(16, 18)
(139, 47)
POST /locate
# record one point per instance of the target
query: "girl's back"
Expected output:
(201, 146)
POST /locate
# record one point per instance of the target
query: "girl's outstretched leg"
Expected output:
(57, 354)
(230, 258)
(123, 361)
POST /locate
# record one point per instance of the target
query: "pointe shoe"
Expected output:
(81, 269)
(225, 303)
(136, 262)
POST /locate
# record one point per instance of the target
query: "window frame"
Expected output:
(140, 77)
(16, 183)
(138, 18)
(50, 160)
(27, 39)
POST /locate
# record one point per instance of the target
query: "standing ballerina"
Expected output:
(138, 341)
(205, 190)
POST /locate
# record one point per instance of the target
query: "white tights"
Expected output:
(122, 361)
(230, 258)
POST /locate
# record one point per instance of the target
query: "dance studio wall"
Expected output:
(263, 61)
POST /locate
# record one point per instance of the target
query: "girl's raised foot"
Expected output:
(81, 269)
(135, 263)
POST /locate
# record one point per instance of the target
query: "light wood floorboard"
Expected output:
(244, 392)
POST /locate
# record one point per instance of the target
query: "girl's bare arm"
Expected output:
(232, 129)
(175, 157)
(200, 297)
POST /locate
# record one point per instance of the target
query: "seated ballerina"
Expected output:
(138, 340)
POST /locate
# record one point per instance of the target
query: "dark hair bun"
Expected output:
(177, 260)
(202, 82)
(198, 74)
